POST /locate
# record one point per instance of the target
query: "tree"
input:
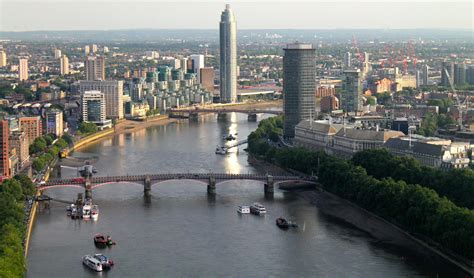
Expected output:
(38, 164)
(28, 187)
(68, 139)
(39, 145)
(87, 128)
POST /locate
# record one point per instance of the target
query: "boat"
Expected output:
(106, 262)
(243, 209)
(86, 212)
(70, 209)
(221, 150)
(95, 212)
(101, 240)
(92, 263)
(282, 223)
(75, 213)
(257, 209)
(230, 137)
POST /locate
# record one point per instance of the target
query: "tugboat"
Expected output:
(257, 209)
(100, 240)
(92, 263)
(95, 212)
(106, 262)
(284, 224)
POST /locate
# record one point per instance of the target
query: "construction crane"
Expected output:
(462, 106)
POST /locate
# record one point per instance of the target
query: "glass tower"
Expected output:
(228, 56)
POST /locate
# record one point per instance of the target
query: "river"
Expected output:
(183, 232)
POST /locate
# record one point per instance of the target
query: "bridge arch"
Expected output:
(189, 180)
(114, 182)
(60, 186)
(218, 182)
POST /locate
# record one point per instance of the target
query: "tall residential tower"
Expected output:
(299, 85)
(228, 56)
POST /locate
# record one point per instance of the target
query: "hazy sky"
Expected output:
(28, 15)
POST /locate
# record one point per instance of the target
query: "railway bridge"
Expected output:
(222, 112)
(90, 183)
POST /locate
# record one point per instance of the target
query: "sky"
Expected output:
(46, 15)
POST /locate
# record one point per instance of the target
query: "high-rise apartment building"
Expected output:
(5, 150)
(95, 68)
(351, 96)
(87, 50)
(3, 58)
(54, 122)
(19, 141)
(57, 53)
(425, 74)
(207, 79)
(197, 63)
(347, 60)
(64, 65)
(93, 107)
(113, 92)
(228, 56)
(23, 69)
(299, 85)
(93, 48)
(449, 68)
(460, 74)
(32, 127)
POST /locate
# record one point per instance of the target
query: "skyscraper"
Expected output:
(460, 74)
(347, 60)
(4, 154)
(299, 85)
(23, 70)
(57, 53)
(86, 50)
(95, 68)
(228, 56)
(3, 58)
(351, 96)
(113, 92)
(54, 122)
(64, 65)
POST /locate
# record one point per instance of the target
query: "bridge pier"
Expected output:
(147, 187)
(269, 185)
(193, 116)
(211, 186)
(252, 117)
(222, 116)
(88, 189)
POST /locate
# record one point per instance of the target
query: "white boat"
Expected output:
(86, 212)
(95, 212)
(92, 263)
(257, 209)
(243, 209)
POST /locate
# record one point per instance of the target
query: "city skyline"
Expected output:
(108, 15)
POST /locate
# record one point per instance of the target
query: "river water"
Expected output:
(183, 232)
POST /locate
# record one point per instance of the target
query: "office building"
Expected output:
(197, 63)
(351, 95)
(228, 56)
(5, 153)
(64, 65)
(425, 75)
(93, 48)
(95, 68)
(447, 73)
(177, 74)
(184, 65)
(470, 75)
(23, 69)
(207, 79)
(57, 53)
(93, 107)
(3, 58)
(113, 92)
(54, 122)
(299, 85)
(347, 60)
(32, 127)
(459, 74)
(19, 141)
(152, 54)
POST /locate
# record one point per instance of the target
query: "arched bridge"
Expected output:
(210, 179)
